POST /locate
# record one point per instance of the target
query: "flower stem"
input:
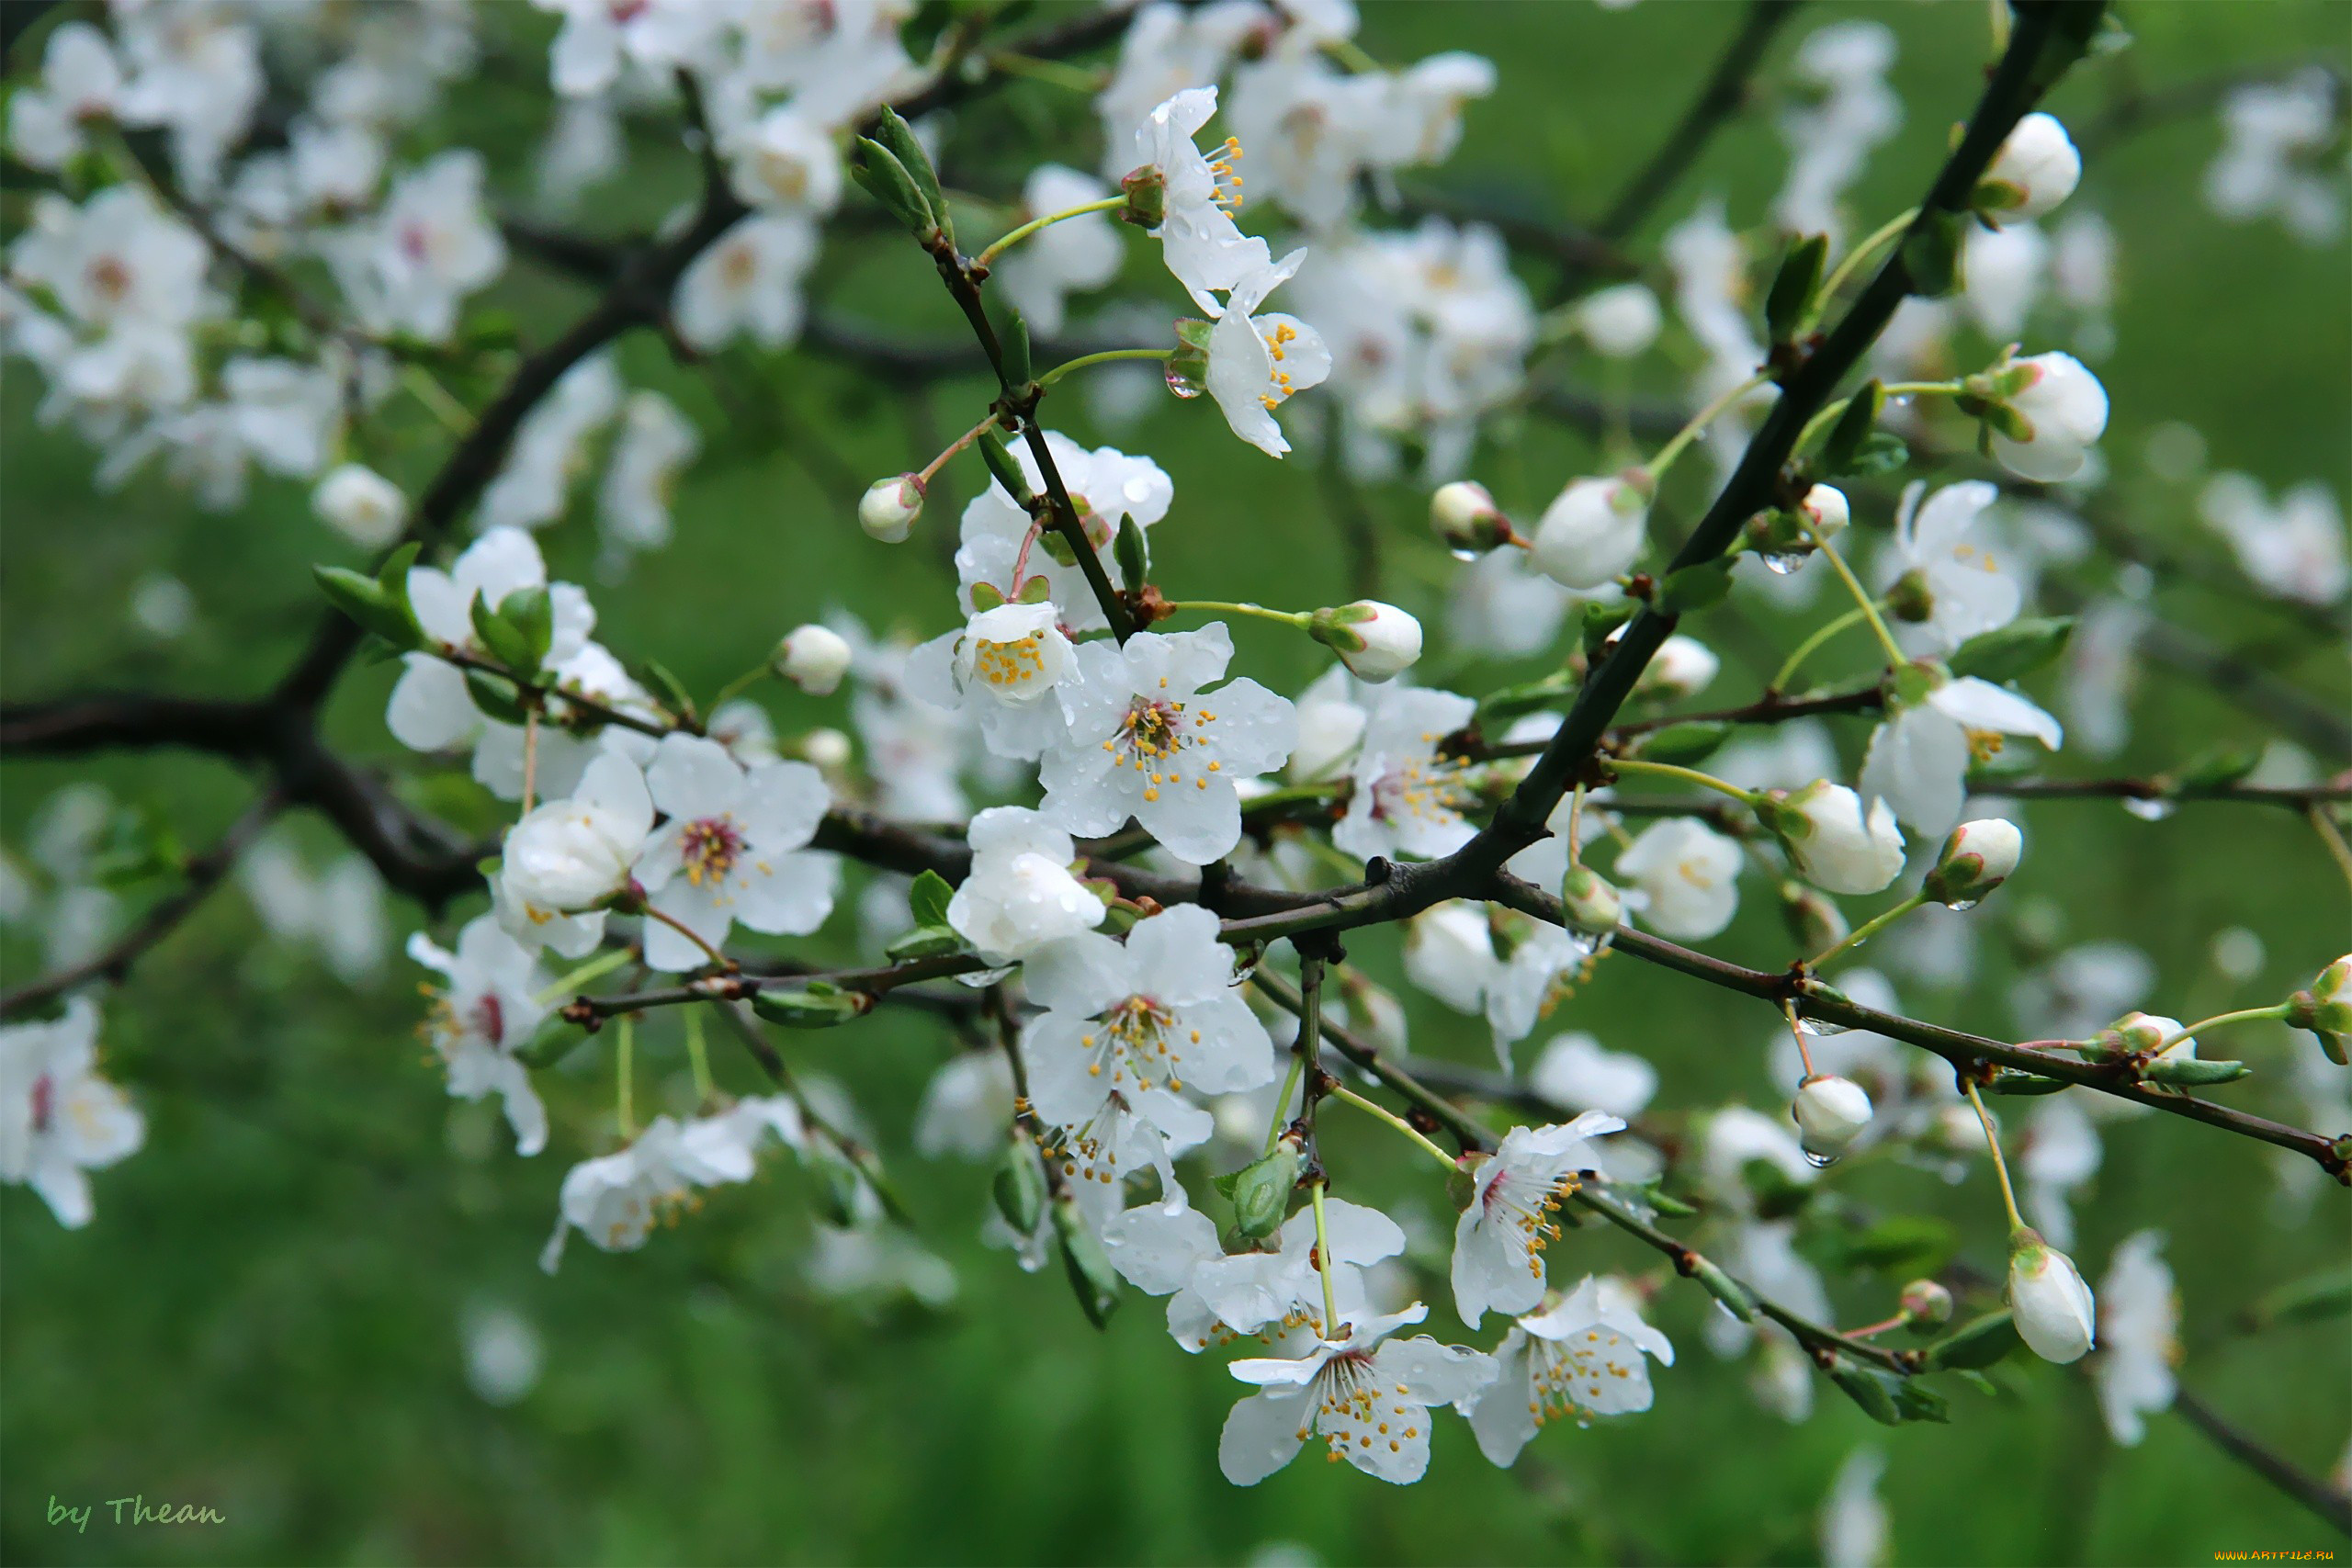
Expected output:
(1869, 929)
(1226, 608)
(1105, 357)
(1078, 79)
(676, 924)
(698, 1057)
(740, 685)
(1323, 1264)
(2242, 1015)
(602, 964)
(625, 1107)
(1655, 468)
(1282, 1103)
(1861, 251)
(530, 758)
(954, 446)
(2000, 1166)
(1016, 236)
(1811, 646)
(1804, 1050)
(2331, 837)
(1576, 821)
(1688, 775)
(1862, 600)
(1384, 1113)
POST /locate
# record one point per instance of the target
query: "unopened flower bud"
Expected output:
(360, 504)
(1019, 1186)
(2043, 430)
(1682, 667)
(1147, 192)
(827, 750)
(2139, 1033)
(1830, 1113)
(2036, 169)
(1825, 507)
(2055, 1313)
(1817, 924)
(1924, 1300)
(1091, 1275)
(2326, 1008)
(1375, 641)
(813, 658)
(889, 510)
(1591, 901)
(1261, 1190)
(1591, 532)
(1977, 858)
(1466, 519)
(1835, 842)
(1619, 322)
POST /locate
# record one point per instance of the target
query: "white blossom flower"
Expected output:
(339, 913)
(1682, 667)
(1146, 742)
(2055, 1160)
(1499, 1240)
(600, 37)
(1966, 591)
(1197, 236)
(748, 283)
(1591, 532)
(567, 856)
(1128, 1027)
(549, 449)
(196, 71)
(58, 1118)
(2036, 169)
(1582, 1357)
(488, 1012)
(2294, 549)
(2053, 1309)
(655, 444)
(1331, 721)
(1688, 875)
(1005, 666)
(785, 161)
(117, 260)
(1217, 1298)
(1257, 362)
(410, 266)
(1107, 487)
(2006, 271)
(1450, 953)
(80, 82)
(1831, 137)
(1069, 257)
(1833, 842)
(1504, 607)
(2139, 1333)
(360, 504)
(1409, 794)
(1344, 1391)
(1167, 49)
(1853, 1519)
(1578, 1073)
(966, 1107)
(613, 1201)
(430, 710)
(1919, 756)
(734, 851)
(1310, 126)
(2274, 136)
(1019, 895)
(1619, 322)
(2063, 409)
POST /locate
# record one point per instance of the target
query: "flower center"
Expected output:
(44, 1102)
(1153, 735)
(490, 1017)
(1348, 1408)
(738, 266)
(710, 846)
(1134, 1042)
(1012, 666)
(1428, 787)
(110, 277)
(1518, 1200)
(1564, 1378)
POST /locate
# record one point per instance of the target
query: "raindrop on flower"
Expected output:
(2150, 810)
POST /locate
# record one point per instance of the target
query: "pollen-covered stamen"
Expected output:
(1523, 1211)
(709, 848)
(1564, 1376)
(1152, 740)
(1984, 745)
(1137, 1039)
(1432, 788)
(1352, 1411)
(1083, 1153)
(1278, 340)
(1010, 667)
(1222, 169)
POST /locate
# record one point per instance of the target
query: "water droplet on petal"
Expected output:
(1782, 562)
(1961, 903)
(2149, 810)
(1812, 1025)
(1819, 1162)
(1183, 385)
(1465, 554)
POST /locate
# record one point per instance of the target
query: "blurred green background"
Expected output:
(266, 1315)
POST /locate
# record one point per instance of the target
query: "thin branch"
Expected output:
(2329, 1504)
(1723, 95)
(200, 876)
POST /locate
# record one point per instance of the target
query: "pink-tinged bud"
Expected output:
(2054, 1310)
(2037, 168)
(890, 507)
(2043, 431)
(1925, 1301)
(813, 658)
(1825, 507)
(1464, 516)
(1375, 641)
(2326, 1008)
(1592, 904)
(1977, 858)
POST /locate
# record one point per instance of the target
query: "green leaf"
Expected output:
(899, 138)
(815, 1006)
(1008, 473)
(1012, 341)
(886, 180)
(1976, 1345)
(925, 942)
(1091, 1274)
(1869, 1388)
(1686, 743)
(668, 687)
(2319, 1296)
(1738, 1299)
(1853, 428)
(928, 898)
(1790, 303)
(1881, 452)
(532, 614)
(505, 641)
(1932, 253)
(1695, 587)
(1908, 1244)
(495, 696)
(1132, 554)
(1019, 1186)
(364, 601)
(2008, 653)
(1915, 1401)
(2192, 1072)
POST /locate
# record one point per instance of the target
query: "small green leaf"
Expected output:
(1853, 428)
(1012, 341)
(2010, 653)
(1685, 744)
(929, 897)
(886, 181)
(365, 601)
(925, 942)
(1008, 473)
(899, 137)
(532, 614)
(1019, 1186)
(1790, 303)
(505, 641)
(1091, 1274)
(1932, 253)
(1869, 1388)
(1133, 555)
(1976, 1345)
(495, 696)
